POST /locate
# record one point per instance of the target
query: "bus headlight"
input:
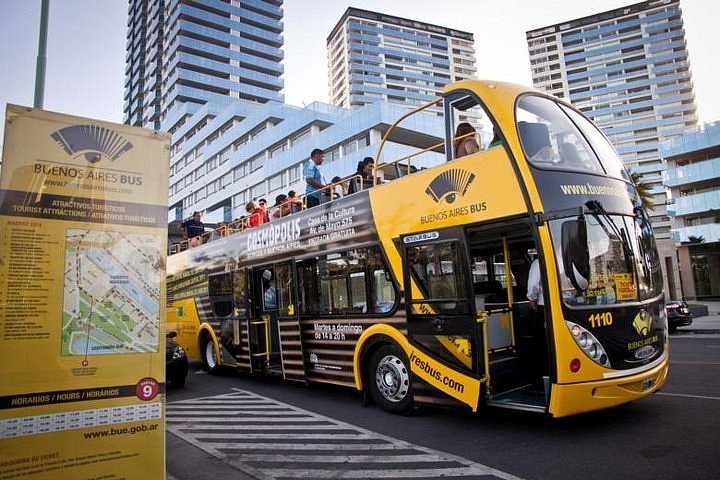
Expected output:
(589, 344)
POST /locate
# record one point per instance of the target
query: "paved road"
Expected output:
(674, 434)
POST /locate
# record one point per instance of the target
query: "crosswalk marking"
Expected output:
(269, 440)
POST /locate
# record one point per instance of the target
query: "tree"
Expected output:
(694, 239)
(643, 190)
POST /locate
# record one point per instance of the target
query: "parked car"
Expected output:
(176, 362)
(678, 314)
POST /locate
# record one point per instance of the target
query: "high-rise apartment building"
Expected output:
(182, 54)
(628, 70)
(693, 177)
(376, 57)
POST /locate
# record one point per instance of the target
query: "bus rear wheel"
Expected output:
(210, 360)
(388, 379)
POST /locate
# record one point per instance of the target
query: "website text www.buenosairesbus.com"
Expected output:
(112, 431)
(436, 374)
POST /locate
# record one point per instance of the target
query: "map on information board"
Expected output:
(111, 293)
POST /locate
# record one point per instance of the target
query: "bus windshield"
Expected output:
(623, 267)
(556, 137)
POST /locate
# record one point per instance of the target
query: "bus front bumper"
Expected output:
(571, 399)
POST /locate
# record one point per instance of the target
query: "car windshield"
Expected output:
(624, 265)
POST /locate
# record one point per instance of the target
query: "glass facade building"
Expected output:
(183, 54)
(224, 156)
(628, 70)
(376, 57)
(693, 178)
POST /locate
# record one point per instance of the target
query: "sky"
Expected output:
(86, 46)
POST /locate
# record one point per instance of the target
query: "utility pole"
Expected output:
(42, 56)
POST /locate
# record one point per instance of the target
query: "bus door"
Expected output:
(500, 267)
(441, 317)
(288, 313)
(264, 335)
(220, 295)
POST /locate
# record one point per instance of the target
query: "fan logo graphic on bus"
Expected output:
(92, 142)
(450, 185)
(643, 323)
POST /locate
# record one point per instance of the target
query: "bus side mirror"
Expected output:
(575, 255)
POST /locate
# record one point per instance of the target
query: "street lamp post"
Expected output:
(42, 56)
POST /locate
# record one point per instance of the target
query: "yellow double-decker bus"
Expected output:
(415, 291)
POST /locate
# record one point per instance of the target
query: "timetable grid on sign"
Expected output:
(63, 421)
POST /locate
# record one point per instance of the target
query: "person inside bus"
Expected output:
(269, 291)
(314, 178)
(535, 290)
(536, 296)
(256, 215)
(464, 142)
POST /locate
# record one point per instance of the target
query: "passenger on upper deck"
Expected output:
(256, 215)
(263, 204)
(278, 210)
(295, 202)
(314, 178)
(194, 229)
(364, 173)
(338, 189)
(496, 140)
(464, 142)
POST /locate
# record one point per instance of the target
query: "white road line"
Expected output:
(243, 420)
(263, 427)
(385, 473)
(285, 436)
(303, 446)
(702, 397)
(420, 457)
(253, 433)
(259, 413)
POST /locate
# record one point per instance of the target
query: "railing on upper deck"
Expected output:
(286, 208)
(399, 167)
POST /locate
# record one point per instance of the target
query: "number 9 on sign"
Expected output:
(147, 388)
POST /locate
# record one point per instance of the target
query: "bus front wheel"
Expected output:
(209, 357)
(389, 380)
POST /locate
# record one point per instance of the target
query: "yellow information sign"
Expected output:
(625, 287)
(83, 234)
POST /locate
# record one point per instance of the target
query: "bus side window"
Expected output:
(220, 293)
(354, 282)
(240, 294)
(285, 290)
(469, 127)
(309, 286)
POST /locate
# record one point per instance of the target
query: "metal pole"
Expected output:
(42, 55)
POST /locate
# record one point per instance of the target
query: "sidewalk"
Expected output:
(708, 325)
